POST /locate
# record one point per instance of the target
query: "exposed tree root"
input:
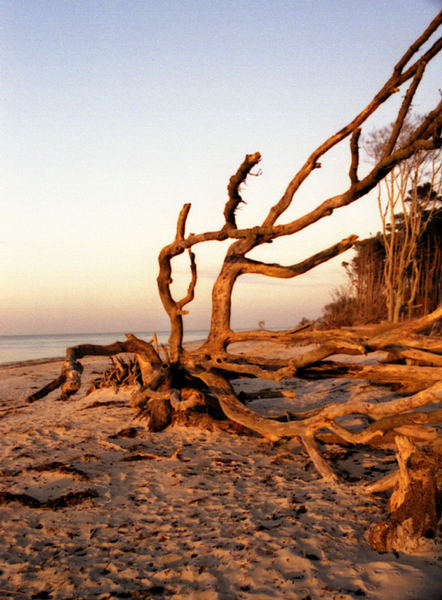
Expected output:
(196, 393)
(122, 373)
(416, 503)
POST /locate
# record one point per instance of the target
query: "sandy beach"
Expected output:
(92, 505)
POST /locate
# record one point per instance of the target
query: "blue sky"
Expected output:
(116, 113)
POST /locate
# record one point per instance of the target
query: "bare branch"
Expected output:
(191, 289)
(354, 148)
(321, 465)
(279, 271)
(294, 336)
(399, 377)
(357, 190)
(425, 357)
(181, 224)
(267, 335)
(429, 127)
(414, 48)
(234, 184)
(406, 103)
(392, 424)
(388, 89)
(398, 332)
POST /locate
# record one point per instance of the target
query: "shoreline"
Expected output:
(52, 359)
(22, 349)
(30, 362)
(19, 349)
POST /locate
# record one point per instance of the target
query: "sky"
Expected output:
(114, 113)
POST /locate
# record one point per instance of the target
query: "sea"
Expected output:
(18, 348)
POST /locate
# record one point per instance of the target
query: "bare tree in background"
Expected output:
(405, 207)
(175, 384)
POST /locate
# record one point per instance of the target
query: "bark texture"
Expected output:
(415, 505)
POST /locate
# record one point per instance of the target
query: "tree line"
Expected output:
(396, 274)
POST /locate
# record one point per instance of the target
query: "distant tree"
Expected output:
(341, 311)
(426, 276)
(363, 298)
(365, 274)
(405, 206)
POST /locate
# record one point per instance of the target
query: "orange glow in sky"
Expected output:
(114, 114)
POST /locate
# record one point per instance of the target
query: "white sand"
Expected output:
(228, 517)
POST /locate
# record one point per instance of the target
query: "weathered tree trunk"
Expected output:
(416, 502)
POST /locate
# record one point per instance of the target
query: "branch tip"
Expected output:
(235, 182)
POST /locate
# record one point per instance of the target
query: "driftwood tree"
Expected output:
(176, 381)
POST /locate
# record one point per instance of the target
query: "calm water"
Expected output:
(15, 348)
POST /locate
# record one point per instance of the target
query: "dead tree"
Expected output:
(400, 190)
(176, 380)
